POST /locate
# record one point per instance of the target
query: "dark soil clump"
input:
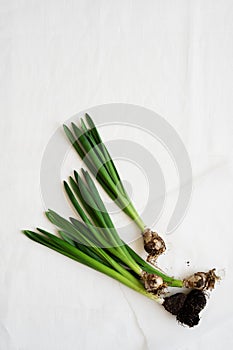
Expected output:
(174, 303)
(186, 307)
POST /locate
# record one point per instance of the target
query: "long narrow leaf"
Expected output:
(80, 256)
(114, 173)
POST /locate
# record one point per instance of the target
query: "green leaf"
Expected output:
(76, 204)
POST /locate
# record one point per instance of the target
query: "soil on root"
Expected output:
(186, 307)
(202, 280)
(154, 245)
(153, 283)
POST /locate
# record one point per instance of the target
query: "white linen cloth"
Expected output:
(62, 57)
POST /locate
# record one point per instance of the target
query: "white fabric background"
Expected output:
(60, 57)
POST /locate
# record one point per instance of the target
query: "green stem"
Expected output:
(172, 282)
